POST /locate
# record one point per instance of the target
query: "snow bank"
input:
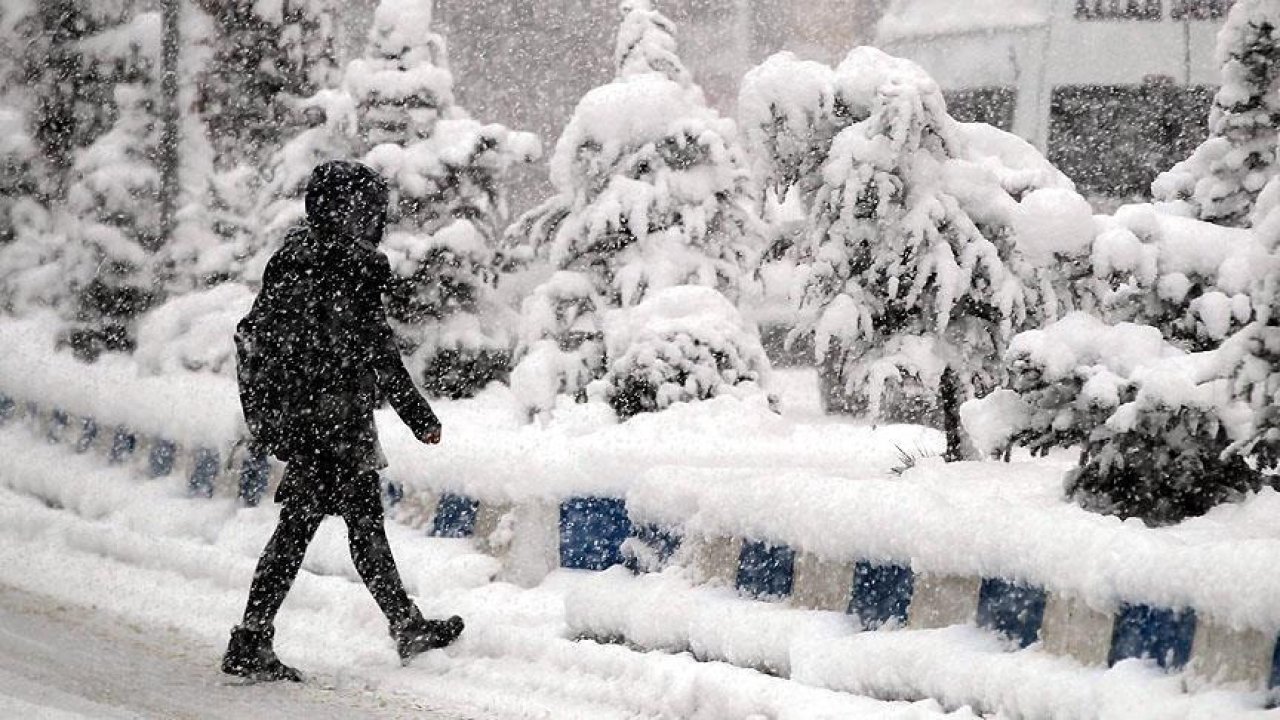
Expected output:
(185, 407)
(194, 332)
(984, 519)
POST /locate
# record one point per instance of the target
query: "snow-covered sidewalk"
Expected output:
(161, 578)
(68, 662)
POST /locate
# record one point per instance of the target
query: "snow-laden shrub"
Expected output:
(445, 311)
(1154, 424)
(1221, 180)
(1163, 456)
(194, 331)
(682, 344)
(1190, 279)
(562, 342)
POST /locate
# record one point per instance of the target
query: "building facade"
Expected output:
(1113, 91)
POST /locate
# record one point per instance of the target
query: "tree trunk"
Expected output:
(950, 389)
(170, 117)
(58, 78)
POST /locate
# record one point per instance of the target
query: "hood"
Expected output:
(347, 201)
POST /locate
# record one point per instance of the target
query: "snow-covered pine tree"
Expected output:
(267, 55)
(329, 134)
(18, 189)
(27, 240)
(74, 53)
(926, 249)
(652, 187)
(116, 228)
(1221, 180)
(255, 94)
(446, 172)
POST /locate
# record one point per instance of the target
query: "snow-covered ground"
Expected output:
(151, 582)
(77, 532)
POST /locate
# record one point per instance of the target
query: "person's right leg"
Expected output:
(250, 652)
(371, 553)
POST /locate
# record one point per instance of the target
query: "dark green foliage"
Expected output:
(1172, 465)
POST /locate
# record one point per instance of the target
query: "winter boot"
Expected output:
(249, 655)
(415, 635)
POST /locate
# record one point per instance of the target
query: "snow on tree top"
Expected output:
(924, 18)
(1079, 339)
(646, 44)
(1232, 259)
(630, 113)
(367, 78)
(400, 24)
(783, 85)
(680, 308)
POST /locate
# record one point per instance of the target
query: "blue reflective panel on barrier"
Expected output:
(7, 408)
(160, 461)
(455, 517)
(659, 545)
(1275, 666)
(765, 570)
(392, 493)
(592, 530)
(203, 473)
(88, 434)
(1011, 609)
(58, 422)
(881, 593)
(255, 471)
(122, 445)
(1142, 631)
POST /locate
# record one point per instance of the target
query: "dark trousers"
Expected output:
(281, 559)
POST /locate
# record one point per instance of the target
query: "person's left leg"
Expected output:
(250, 652)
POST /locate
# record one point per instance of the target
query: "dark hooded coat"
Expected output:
(321, 307)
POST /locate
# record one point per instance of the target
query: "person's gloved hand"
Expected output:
(431, 437)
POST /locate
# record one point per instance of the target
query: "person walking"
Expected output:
(315, 356)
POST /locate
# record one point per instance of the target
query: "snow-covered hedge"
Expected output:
(1155, 424)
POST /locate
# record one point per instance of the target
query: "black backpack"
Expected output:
(285, 366)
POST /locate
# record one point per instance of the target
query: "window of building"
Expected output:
(1200, 9)
(1119, 9)
(990, 105)
(1114, 140)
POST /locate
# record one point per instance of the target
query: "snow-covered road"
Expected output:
(116, 594)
